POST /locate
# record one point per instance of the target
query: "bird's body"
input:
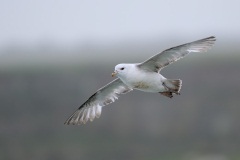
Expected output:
(143, 76)
(136, 79)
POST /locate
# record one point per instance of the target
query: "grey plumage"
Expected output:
(159, 61)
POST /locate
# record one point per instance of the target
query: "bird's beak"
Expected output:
(114, 73)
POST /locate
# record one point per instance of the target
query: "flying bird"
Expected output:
(143, 76)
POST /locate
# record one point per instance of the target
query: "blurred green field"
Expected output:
(200, 124)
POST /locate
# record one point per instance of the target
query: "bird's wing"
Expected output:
(159, 61)
(93, 106)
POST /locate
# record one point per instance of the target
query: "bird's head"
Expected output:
(122, 70)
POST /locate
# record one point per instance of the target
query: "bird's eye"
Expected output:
(122, 68)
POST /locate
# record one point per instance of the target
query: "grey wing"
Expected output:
(93, 106)
(159, 61)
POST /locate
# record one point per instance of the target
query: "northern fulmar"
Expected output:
(143, 76)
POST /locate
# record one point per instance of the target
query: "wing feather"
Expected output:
(159, 61)
(93, 106)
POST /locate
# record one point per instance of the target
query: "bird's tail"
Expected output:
(174, 85)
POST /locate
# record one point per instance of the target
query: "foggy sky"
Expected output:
(67, 22)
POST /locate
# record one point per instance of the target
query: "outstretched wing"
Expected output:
(93, 106)
(159, 61)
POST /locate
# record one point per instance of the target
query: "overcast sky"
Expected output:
(70, 21)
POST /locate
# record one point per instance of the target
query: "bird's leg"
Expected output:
(167, 94)
(170, 89)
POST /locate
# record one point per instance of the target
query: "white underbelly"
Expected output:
(151, 83)
(149, 88)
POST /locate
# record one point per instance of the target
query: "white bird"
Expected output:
(143, 76)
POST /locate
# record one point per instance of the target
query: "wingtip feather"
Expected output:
(81, 116)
